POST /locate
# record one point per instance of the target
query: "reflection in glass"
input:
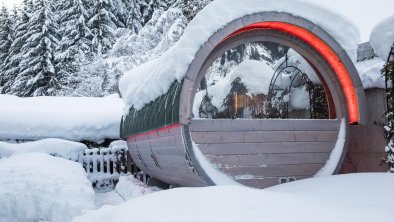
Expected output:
(260, 80)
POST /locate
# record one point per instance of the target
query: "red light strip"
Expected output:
(324, 49)
(145, 135)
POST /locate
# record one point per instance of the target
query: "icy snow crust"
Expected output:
(154, 78)
(72, 118)
(382, 37)
(55, 147)
(352, 197)
(39, 187)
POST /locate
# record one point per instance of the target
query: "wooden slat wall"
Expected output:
(162, 155)
(259, 153)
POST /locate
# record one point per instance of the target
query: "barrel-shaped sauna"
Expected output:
(169, 142)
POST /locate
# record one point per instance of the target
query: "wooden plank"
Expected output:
(189, 182)
(260, 148)
(169, 150)
(264, 136)
(171, 159)
(170, 132)
(275, 170)
(228, 125)
(260, 183)
(142, 144)
(167, 141)
(270, 159)
(264, 182)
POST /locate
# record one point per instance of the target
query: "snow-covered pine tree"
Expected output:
(190, 8)
(11, 66)
(103, 24)
(74, 49)
(148, 7)
(133, 19)
(6, 31)
(37, 76)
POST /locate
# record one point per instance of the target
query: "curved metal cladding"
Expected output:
(256, 153)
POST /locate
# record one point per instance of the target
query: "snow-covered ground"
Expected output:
(72, 118)
(39, 187)
(353, 197)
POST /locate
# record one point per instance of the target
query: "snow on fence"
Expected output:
(105, 165)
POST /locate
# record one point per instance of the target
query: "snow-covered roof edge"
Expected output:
(154, 78)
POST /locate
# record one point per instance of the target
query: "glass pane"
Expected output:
(261, 80)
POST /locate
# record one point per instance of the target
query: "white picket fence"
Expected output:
(104, 166)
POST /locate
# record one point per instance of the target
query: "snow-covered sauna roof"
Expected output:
(154, 78)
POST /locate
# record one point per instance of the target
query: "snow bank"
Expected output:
(130, 187)
(370, 73)
(336, 154)
(55, 147)
(382, 38)
(39, 187)
(365, 14)
(154, 78)
(72, 118)
(353, 198)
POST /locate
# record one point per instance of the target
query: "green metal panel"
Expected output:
(161, 112)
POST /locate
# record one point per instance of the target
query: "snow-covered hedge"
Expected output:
(55, 147)
(39, 187)
(72, 118)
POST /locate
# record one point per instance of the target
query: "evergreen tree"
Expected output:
(11, 62)
(148, 7)
(6, 30)
(190, 8)
(133, 19)
(37, 76)
(75, 46)
(103, 25)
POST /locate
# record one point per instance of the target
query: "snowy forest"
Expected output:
(83, 47)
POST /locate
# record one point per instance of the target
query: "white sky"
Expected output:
(363, 13)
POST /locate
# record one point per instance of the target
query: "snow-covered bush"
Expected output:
(76, 119)
(38, 187)
(55, 147)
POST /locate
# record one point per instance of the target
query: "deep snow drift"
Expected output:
(39, 187)
(382, 37)
(72, 118)
(370, 73)
(55, 147)
(154, 78)
(354, 197)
